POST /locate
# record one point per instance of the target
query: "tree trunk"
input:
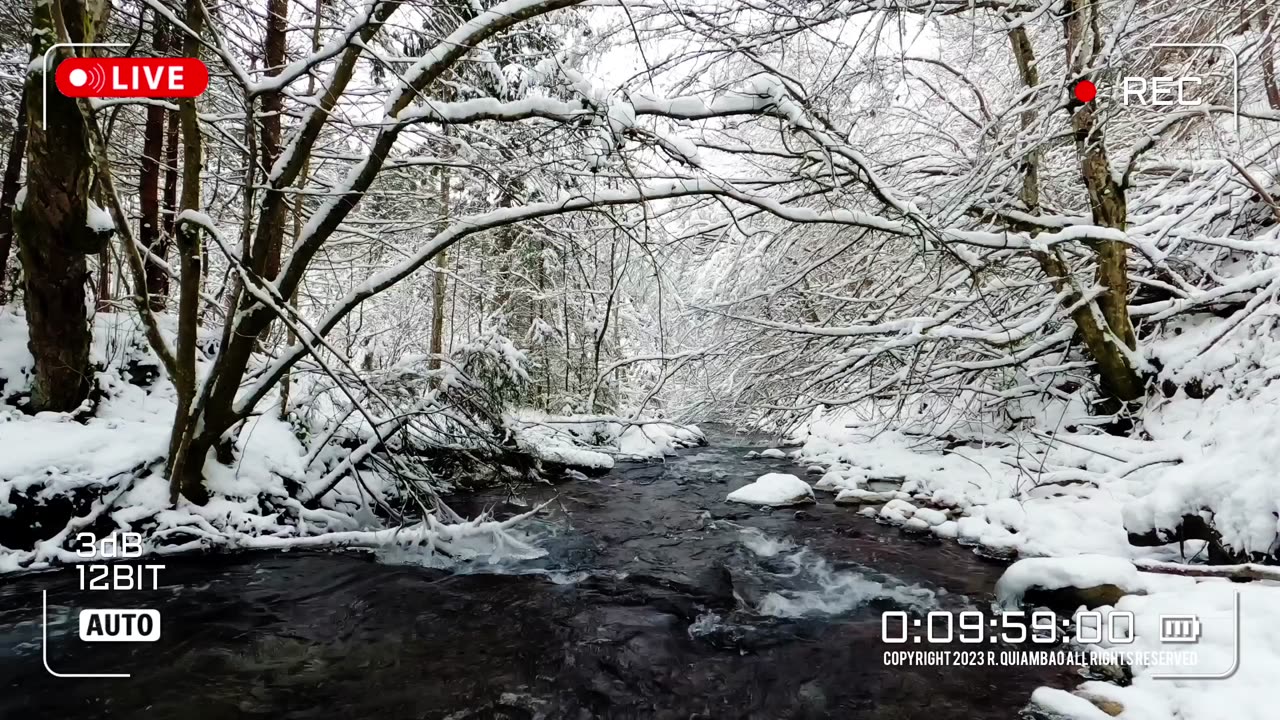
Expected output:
(1120, 380)
(169, 201)
(440, 285)
(1269, 60)
(186, 459)
(52, 227)
(157, 285)
(9, 192)
(1107, 203)
(104, 280)
(267, 259)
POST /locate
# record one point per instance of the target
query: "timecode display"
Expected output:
(1041, 627)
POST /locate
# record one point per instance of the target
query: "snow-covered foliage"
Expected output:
(593, 441)
(103, 468)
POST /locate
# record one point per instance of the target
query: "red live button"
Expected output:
(132, 77)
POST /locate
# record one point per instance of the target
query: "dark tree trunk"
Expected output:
(169, 203)
(53, 234)
(267, 259)
(9, 192)
(104, 280)
(149, 187)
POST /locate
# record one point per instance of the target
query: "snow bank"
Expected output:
(774, 490)
(1238, 651)
(556, 448)
(1246, 654)
(1064, 498)
(1009, 503)
(656, 440)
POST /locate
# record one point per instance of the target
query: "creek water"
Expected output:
(656, 599)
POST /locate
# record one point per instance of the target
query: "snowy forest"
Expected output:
(404, 253)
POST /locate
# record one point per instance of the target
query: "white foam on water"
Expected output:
(705, 624)
(763, 545)
(828, 591)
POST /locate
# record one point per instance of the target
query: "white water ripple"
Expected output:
(824, 590)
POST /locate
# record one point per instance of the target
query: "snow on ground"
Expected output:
(1066, 495)
(774, 490)
(1017, 495)
(54, 452)
(1241, 655)
(1249, 651)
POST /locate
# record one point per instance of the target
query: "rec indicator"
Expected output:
(1085, 91)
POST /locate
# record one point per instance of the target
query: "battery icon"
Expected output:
(1179, 628)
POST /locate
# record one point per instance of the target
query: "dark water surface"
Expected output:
(657, 599)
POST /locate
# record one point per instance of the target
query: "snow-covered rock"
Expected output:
(774, 490)
(1081, 571)
(947, 529)
(838, 480)
(773, 453)
(858, 496)
(930, 516)
(897, 511)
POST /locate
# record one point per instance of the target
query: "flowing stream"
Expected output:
(657, 599)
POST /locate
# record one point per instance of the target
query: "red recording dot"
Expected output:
(1086, 91)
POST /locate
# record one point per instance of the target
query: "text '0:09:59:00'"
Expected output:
(1040, 627)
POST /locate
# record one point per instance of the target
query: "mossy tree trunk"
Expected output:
(1111, 341)
(51, 225)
